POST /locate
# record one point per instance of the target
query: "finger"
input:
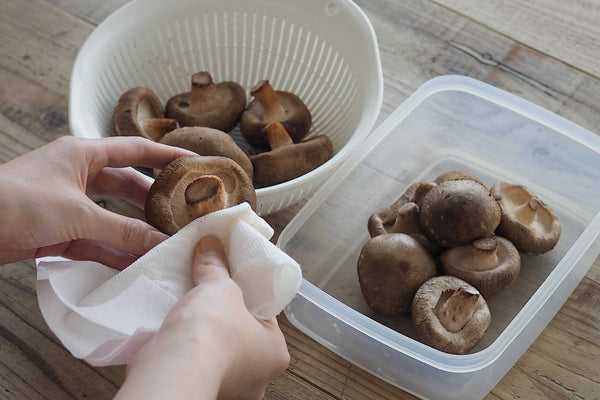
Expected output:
(89, 250)
(209, 260)
(133, 151)
(124, 183)
(129, 235)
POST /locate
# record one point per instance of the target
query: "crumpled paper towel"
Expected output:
(103, 316)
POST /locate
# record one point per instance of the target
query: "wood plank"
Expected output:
(420, 40)
(91, 11)
(42, 47)
(565, 30)
(37, 57)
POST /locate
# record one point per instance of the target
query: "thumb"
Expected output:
(209, 260)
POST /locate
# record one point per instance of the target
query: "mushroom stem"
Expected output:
(204, 195)
(267, 97)
(482, 255)
(455, 311)
(526, 212)
(277, 136)
(156, 128)
(203, 89)
(407, 219)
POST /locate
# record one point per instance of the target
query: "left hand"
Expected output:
(46, 206)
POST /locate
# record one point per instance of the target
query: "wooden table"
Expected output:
(546, 51)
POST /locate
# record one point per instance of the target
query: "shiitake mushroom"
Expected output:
(287, 160)
(269, 106)
(457, 212)
(208, 104)
(482, 231)
(138, 112)
(192, 186)
(206, 141)
(391, 267)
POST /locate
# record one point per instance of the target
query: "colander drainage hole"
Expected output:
(333, 8)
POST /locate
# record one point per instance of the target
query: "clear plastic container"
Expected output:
(451, 122)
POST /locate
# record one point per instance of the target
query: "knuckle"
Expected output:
(129, 230)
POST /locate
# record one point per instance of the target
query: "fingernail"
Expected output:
(209, 244)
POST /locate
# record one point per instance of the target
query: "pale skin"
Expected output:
(47, 208)
(201, 351)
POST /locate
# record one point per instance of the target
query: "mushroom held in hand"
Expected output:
(490, 264)
(527, 221)
(217, 106)
(288, 160)
(391, 268)
(457, 212)
(270, 106)
(138, 112)
(450, 315)
(193, 186)
(209, 142)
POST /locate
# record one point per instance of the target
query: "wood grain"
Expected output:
(544, 51)
(566, 31)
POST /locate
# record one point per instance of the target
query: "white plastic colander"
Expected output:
(325, 51)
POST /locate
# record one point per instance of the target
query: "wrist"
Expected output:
(189, 368)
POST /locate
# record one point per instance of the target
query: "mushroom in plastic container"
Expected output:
(530, 224)
(214, 105)
(209, 142)
(391, 268)
(192, 186)
(402, 216)
(269, 106)
(138, 112)
(490, 264)
(458, 175)
(457, 212)
(288, 160)
(450, 315)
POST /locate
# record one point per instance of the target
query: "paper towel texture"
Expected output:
(103, 315)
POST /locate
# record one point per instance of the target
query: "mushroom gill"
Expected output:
(449, 314)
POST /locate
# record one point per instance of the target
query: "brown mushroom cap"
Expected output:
(530, 224)
(270, 106)
(455, 175)
(288, 160)
(457, 212)
(450, 315)
(209, 142)
(193, 186)
(138, 112)
(217, 106)
(391, 268)
(490, 264)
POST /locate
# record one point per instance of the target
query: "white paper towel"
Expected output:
(103, 315)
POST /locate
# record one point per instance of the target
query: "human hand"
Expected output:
(46, 206)
(209, 346)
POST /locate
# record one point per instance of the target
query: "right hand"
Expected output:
(209, 345)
